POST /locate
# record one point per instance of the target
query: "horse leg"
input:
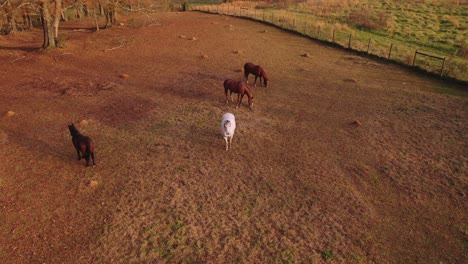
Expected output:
(78, 152)
(231, 97)
(230, 142)
(92, 156)
(246, 74)
(227, 146)
(239, 100)
(226, 92)
(255, 82)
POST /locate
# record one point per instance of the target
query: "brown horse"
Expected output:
(240, 88)
(257, 71)
(82, 144)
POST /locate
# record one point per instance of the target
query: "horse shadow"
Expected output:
(57, 148)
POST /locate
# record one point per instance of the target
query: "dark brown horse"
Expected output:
(82, 144)
(257, 71)
(240, 88)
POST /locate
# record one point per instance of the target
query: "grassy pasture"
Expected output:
(434, 27)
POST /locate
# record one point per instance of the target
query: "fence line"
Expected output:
(308, 30)
(432, 57)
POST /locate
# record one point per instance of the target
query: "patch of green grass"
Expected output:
(178, 225)
(286, 257)
(327, 254)
(450, 91)
(434, 28)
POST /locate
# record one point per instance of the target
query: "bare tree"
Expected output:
(10, 12)
(46, 18)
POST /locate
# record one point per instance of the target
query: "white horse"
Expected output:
(228, 126)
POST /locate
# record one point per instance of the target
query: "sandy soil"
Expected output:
(343, 159)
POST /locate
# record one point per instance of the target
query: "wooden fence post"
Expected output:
(349, 42)
(390, 51)
(368, 46)
(318, 32)
(414, 58)
(442, 69)
(333, 36)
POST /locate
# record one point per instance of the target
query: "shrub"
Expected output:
(365, 19)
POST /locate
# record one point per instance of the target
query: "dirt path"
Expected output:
(342, 158)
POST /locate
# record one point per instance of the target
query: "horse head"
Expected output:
(73, 130)
(227, 125)
(265, 78)
(251, 103)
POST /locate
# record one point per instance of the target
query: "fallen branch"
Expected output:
(114, 48)
(18, 59)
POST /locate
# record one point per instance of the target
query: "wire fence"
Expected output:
(360, 41)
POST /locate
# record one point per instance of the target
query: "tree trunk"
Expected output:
(79, 9)
(58, 15)
(49, 41)
(109, 12)
(96, 19)
(27, 19)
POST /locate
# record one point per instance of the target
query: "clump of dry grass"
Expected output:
(93, 184)
(83, 123)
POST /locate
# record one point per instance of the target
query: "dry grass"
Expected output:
(343, 158)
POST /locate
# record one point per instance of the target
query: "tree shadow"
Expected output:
(21, 48)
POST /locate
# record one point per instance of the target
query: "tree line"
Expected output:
(20, 15)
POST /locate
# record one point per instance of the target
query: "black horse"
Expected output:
(84, 145)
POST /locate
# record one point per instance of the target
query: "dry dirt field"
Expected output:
(343, 159)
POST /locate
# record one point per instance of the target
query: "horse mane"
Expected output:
(248, 91)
